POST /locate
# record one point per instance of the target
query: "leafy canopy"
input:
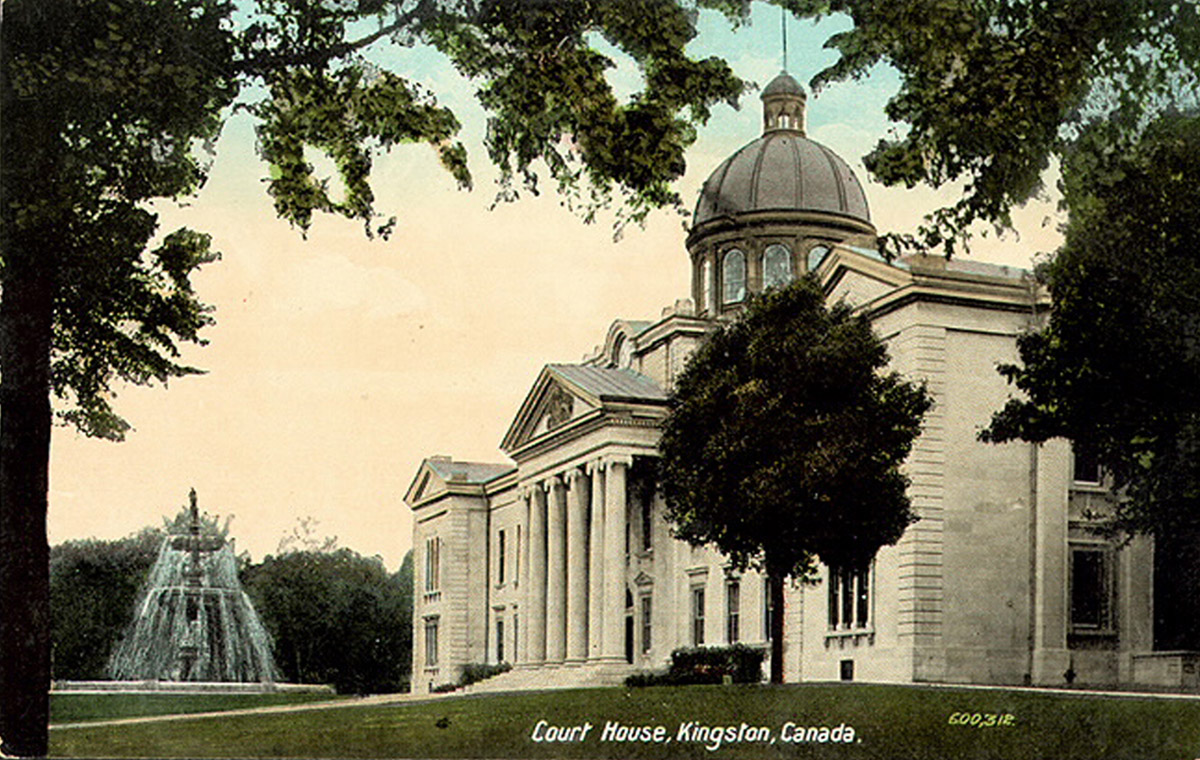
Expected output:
(104, 104)
(991, 90)
(1117, 367)
(107, 101)
(785, 438)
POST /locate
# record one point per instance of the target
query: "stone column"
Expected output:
(596, 575)
(523, 579)
(614, 559)
(577, 567)
(535, 617)
(556, 572)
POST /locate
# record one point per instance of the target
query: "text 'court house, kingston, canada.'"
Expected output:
(559, 562)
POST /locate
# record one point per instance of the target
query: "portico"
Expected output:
(577, 518)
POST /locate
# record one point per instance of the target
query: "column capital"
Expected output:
(611, 460)
(554, 481)
(574, 475)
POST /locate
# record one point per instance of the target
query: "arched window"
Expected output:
(777, 266)
(733, 277)
(816, 255)
(708, 287)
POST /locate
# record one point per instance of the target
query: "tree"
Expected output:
(336, 617)
(784, 442)
(93, 587)
(1117, 366)
(104, 103)
(992, 91)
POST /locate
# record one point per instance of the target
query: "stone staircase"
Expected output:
(526, 678)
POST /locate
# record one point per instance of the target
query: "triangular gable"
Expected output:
(550, 404)
(426, 483)
(858, 279)
(441, 474)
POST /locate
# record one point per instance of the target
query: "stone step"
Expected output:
(552, 677)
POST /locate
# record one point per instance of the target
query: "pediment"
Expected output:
(550, 405)
(858, 279)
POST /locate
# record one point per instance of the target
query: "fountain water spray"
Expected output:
(194, 622)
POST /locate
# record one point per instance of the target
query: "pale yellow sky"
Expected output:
(338, 363)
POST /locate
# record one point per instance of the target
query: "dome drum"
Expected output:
(728, 269)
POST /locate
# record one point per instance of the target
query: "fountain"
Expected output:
(194, 622)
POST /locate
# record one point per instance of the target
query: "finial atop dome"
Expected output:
(783, 104)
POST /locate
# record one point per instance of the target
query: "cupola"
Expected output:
(770, 211)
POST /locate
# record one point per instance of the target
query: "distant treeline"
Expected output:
(334, 616)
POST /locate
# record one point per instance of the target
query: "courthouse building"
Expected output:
(559, 561)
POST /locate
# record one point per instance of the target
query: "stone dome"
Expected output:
(783, 170)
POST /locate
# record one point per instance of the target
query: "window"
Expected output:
(646, 618)
(777, 266)
(431, 642)
(647, 524)
(733, 605)
(433, 551)
(849, 598)
(768, 609)
(499, 640)
(816, 255)
(733, 274)
(698, 616)
(1091, 589)
(517, 562)
(1086, 464)
(500, 557)
(708, 287)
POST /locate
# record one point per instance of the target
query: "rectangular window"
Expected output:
(863, 611)
(698, 616)
(1086, 464)
(517, 559)
(1091, 589)
(431, 642)
(646, 618)
(733, 604)
(516, 635)
(648, 525)
(500, 557)
(849, 598)
(433, 550)
(768, 609)
(499, 640)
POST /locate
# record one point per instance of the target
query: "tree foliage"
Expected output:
(336, 617)
(94, 586)
(1117, 367)
(784, 441)
(992, 91)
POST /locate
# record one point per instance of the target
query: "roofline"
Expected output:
(743, 219)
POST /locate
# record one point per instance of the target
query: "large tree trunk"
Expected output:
(26, 312)
(26, 322)
(775, 587)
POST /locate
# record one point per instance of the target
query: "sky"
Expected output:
(338, 363)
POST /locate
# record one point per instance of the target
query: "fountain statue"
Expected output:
(194, 622)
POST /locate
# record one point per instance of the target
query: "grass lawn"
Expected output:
(67, 707)
(887, 721)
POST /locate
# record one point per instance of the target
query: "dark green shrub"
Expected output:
(477, 671)
(442, 688)
(742, 664)
(647, 678)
